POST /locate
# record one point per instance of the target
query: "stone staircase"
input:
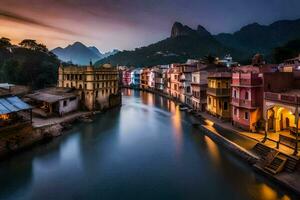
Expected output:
(277, 164)
(262, 151)
(274, 161)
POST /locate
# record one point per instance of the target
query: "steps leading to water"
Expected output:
(277, 164)
(274, 161)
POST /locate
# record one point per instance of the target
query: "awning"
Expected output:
(12, 104)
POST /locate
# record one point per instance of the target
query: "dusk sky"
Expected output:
(126, 24)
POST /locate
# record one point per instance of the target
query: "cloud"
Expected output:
(29, 21)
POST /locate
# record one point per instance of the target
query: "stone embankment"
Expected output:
(40, 130)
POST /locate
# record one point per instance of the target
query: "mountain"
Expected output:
(182, 44)
(255, 38)
(110, 53)
(77, 53)
(80, 54)
(96, 51)
(185, 42)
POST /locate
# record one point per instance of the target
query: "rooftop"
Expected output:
(12, 104)
(52, 95)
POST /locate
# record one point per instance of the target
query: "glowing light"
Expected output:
(4, 117)
(208, 122)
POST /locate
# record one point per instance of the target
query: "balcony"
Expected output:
(220, 92)
(283, 98)
(246, 80)
(244, 103)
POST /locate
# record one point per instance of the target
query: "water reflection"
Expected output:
(148, 149)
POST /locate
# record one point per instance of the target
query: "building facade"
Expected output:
(126, 77)
(98, 87)
(145, 73)
(218, 94)
(199, 87)
(247, 100)
(135, 78)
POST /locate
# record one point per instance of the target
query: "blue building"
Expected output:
(135, 78)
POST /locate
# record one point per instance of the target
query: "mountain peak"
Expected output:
(202, 31)
(180, 30)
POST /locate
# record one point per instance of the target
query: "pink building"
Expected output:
(247, 99)
(126, 77)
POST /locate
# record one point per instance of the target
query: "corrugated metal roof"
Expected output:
(12, 104)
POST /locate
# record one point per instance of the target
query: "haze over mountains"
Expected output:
(185, 42)
(80, 54)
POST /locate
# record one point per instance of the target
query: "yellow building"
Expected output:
(98, 87)
(218, 94)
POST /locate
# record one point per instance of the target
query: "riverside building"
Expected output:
(218, 94)
(97, 87)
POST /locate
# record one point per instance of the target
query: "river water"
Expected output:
(147, 149)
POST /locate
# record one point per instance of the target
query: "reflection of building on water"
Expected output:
(177, 126)
(213, 149)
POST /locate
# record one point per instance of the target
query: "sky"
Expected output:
(127, 24)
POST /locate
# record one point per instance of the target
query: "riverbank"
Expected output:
(288, 180)
(28, 135)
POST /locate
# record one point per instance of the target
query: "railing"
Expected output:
(244, 103)
(218, 91)
(285, 98)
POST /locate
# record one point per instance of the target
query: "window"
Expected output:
(209, 100)
(67, 85)
(84, 86)
(246, 115)
(65, 103)
(227, 85)
(220, 105)
(73, 98)
(247, 95)
(225, 106)
(234, 93)
(219, 84)
(188, 89)
(96, 94)
(235, 111)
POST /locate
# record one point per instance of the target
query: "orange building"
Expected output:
(218, 94)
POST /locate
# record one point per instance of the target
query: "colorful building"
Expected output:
(135, 78)
(145, 73)
(281, 108)
(159, 81)
(247, 100)
(218, 94)
(175, 83)
(126, 77)
(198, 87)
(98, 88)
(185, 82)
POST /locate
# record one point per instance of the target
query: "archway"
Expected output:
(280, 118)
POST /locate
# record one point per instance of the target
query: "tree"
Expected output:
(209, 59)
(29, 44)
(4, 42)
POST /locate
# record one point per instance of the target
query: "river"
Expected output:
(147, 149)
